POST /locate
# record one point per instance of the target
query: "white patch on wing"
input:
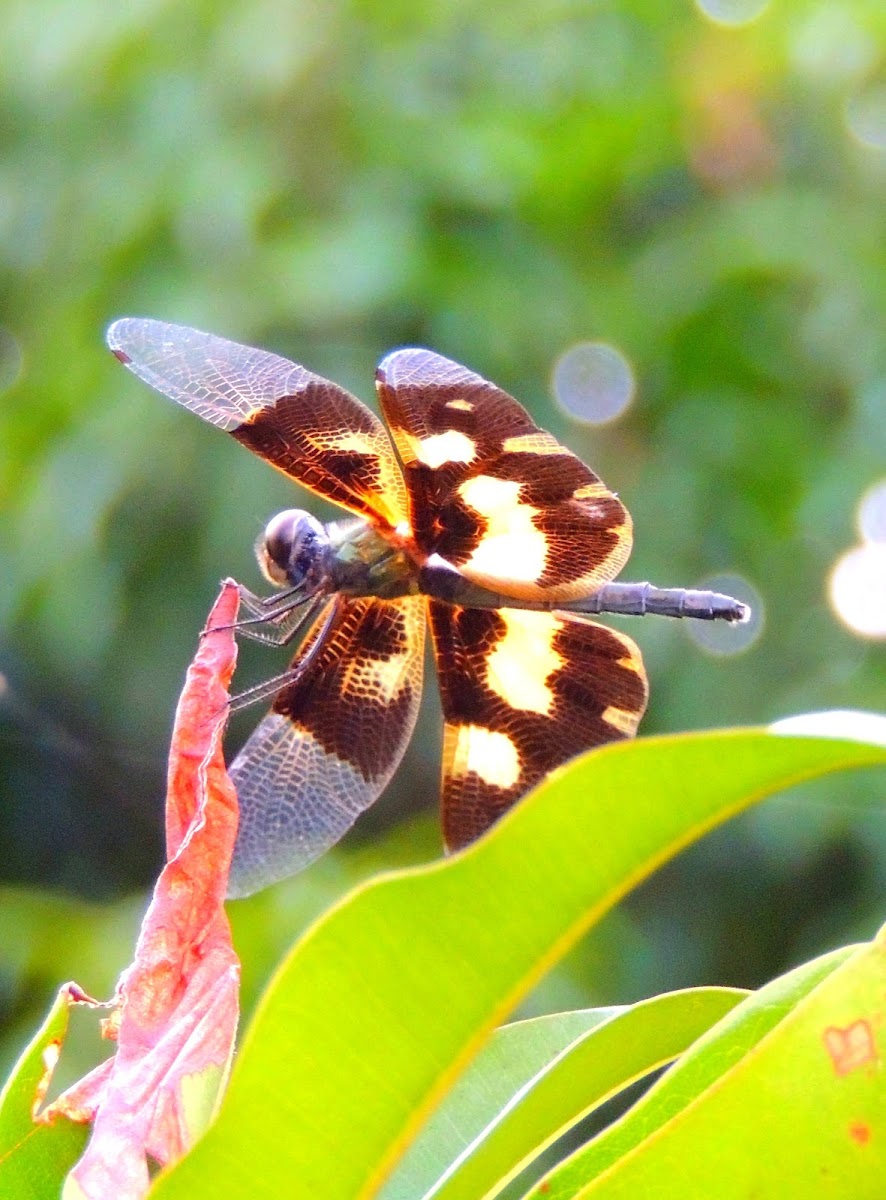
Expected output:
(632, 662)
(621, 719)
(522, 662)
(591, 491)
(382, 678)
(361, 443)
(461, 405)
(490, 755)
(440, 448)
(538, 442)
(512, 548)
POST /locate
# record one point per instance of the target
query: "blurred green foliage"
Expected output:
(498, 182)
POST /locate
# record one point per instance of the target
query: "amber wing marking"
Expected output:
(523, 692)
(331, 741)
(492, 493)
(309, 428)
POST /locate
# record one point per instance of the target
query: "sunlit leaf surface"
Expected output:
(786, 1097)
(536, 1078)
(35, 1157)
(388, 997)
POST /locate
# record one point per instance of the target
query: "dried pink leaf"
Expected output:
(176, 1006)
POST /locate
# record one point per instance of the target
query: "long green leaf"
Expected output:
(699, 1069)
(802, 1113)
(515, 1057)
(387, 998)
(35, 1158)
(535, 1079)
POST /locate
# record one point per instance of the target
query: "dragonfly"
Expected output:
(466, 519)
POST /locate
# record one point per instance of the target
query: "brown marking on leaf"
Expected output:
(851, 1047)
(69, 994)
(860, 1132)
(50, 1056)
(176, 1006)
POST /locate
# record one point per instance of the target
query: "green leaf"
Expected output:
(803, 1105)
(387, 998)
(535, 1079)
(35, 1158)
(699, 1068)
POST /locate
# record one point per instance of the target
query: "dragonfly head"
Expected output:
(294, 550)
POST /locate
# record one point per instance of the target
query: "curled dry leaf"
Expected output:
(175, 1011)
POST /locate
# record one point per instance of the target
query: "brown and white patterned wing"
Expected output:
(490, 492)
(331, 741)
(523, 692)
(307, 427)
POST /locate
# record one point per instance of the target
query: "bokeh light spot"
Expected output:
(857, 589)
(10, 359)
(866, 117)
(872, 513)
(831, 45)
(720, 638)
(593, 382)
(732, 12)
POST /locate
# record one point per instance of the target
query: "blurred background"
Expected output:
(661, 227)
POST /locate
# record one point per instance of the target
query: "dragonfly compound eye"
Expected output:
(292, 548)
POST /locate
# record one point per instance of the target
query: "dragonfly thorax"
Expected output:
(294, 550)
